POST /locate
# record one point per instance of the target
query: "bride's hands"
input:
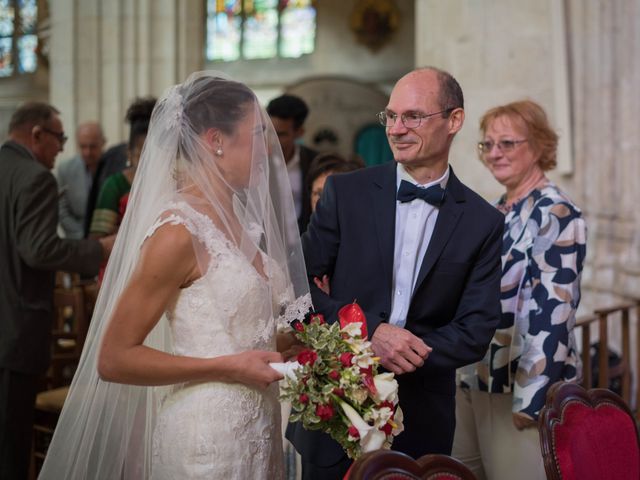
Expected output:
(252, 368)
(288, 345)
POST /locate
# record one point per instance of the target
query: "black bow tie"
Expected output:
(433, 195)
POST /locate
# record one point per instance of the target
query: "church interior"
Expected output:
(579, 59)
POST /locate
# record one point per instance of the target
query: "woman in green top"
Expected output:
(112, 198)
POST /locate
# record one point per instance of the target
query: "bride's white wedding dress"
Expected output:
(218, 430)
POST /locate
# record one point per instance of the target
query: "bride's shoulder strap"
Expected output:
(176, 213)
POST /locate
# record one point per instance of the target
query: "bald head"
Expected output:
(90, 142)
(425, 113)
(432, 80)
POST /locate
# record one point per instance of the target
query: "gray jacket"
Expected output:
(73, 186)
(30, 254)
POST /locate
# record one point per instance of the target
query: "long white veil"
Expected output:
(105, 429)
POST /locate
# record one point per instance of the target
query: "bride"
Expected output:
(174, 381)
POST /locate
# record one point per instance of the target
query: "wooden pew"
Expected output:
(603, 317)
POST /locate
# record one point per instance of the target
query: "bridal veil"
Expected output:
(105, 429)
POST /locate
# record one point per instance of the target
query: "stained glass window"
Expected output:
(251, 29)
(18, 38)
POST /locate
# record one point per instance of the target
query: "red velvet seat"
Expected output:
(390, 465)
(588, 435)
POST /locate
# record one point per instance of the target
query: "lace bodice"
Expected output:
(219, 430)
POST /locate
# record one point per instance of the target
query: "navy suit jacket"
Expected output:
(455, 307)
(306, 157)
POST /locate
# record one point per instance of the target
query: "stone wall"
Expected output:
(503, 50)
(106, 53)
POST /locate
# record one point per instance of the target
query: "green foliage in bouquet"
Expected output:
(337, 388)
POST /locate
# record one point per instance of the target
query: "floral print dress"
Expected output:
(544, 246)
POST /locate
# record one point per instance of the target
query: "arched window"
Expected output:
(18, 38)
(253, 29)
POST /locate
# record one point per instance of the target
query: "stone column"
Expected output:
(499, 51)
(605, 71)
(106, 53)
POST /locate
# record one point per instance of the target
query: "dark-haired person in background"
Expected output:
(30, 254)
(116, 158)
(288, 114)
(323, 166)
(112, 200)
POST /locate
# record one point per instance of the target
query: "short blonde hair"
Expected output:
(542, 138)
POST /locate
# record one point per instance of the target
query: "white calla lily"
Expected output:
(387, 387)
(352, 329)
(370, 437)
(398, 419)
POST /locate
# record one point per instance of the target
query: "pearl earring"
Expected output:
(219, 152)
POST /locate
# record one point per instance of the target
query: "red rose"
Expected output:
(303, 398)
(388, 404)
(334, 375)
(325, 412)
(298, 326)
(387, 428)
(345, 358)
(353, 432)
(317, 317)
(338, 391)
(307, 356)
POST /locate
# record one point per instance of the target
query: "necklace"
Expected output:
(505, 207)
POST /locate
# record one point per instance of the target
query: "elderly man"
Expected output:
(421, 254)
(30, 254)
(75, 177)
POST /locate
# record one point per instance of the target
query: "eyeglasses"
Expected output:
(504, 146)
(409, 119)
(62, 138)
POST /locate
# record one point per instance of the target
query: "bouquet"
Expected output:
(335, 386)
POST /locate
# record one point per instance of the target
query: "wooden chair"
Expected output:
(69, 332)
(604, 317)
(391, 465)
(48, 407)
(588, 435)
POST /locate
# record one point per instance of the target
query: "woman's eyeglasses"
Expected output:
(504, 146)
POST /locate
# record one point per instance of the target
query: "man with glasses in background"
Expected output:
(420, 252)
(30, 254)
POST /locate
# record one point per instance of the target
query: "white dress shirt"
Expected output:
(295, 178)
(415, 221)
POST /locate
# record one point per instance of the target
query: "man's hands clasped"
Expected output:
(400, 351)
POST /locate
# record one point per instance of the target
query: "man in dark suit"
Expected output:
(288, 113)
(420, 252)
(30, 254)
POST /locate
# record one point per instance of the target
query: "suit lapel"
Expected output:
(450, 212)
(383, 201)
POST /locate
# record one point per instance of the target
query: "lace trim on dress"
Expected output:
(196, 222)
(173, 219)
(295, 310)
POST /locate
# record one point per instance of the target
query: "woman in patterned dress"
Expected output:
(544, 245)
